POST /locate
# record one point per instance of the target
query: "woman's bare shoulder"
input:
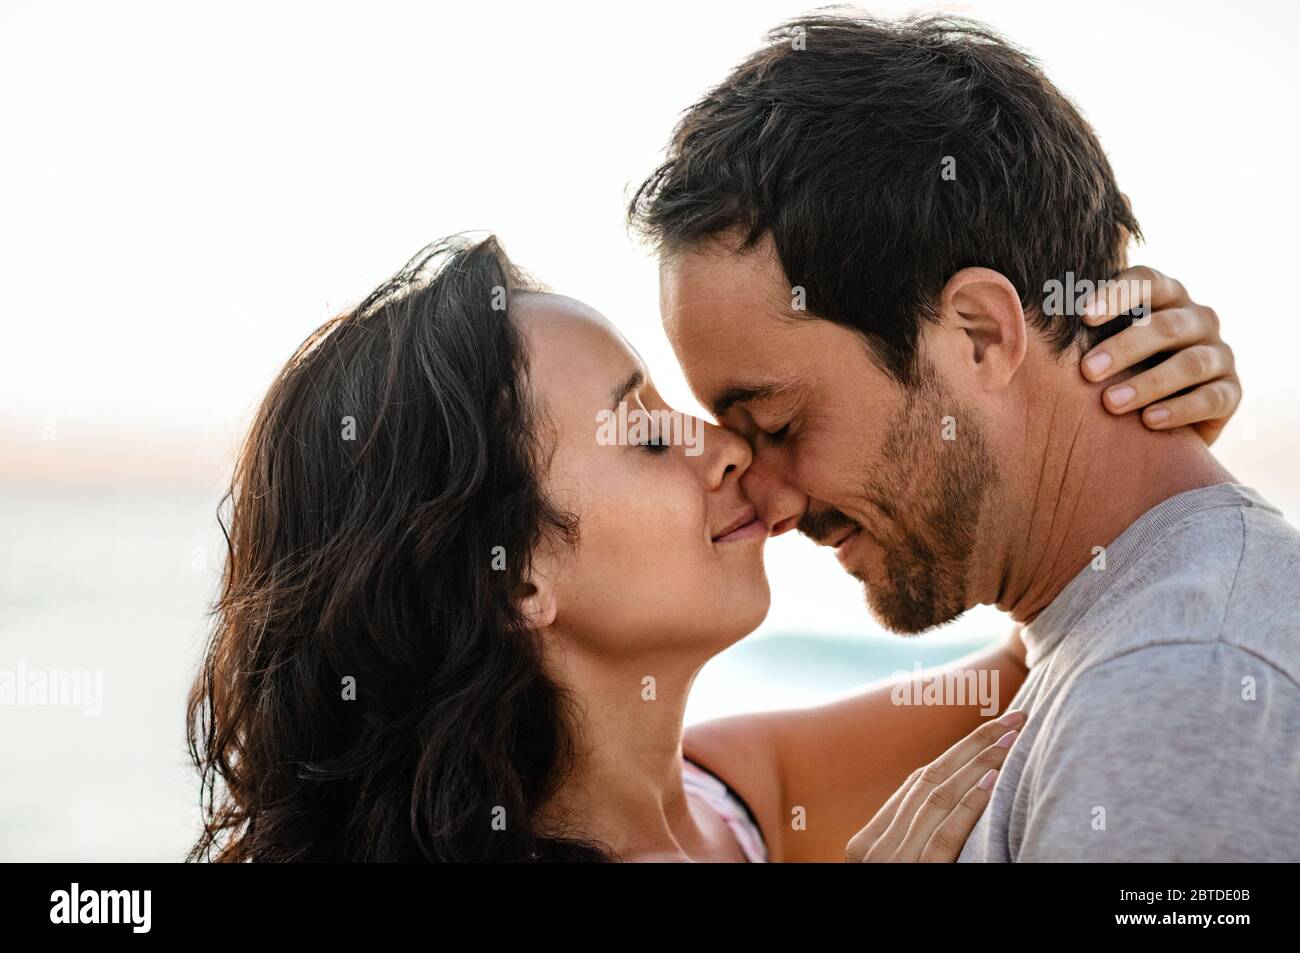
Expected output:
(738, 749)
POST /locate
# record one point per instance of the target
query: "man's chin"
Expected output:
(902, 611)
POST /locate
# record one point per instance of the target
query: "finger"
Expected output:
(1186, 368)
(1209, 430)
(945, 844)
(1136, 287)
(1168, 330)
(940, 770)
(862, 842)
(1215, 401)
(944, 799)
(967, 748)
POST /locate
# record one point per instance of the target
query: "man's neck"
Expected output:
(1084, 476)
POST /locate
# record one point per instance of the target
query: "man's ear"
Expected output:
(982, 306)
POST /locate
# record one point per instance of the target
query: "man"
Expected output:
(865, 234)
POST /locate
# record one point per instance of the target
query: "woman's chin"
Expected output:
(737, 613)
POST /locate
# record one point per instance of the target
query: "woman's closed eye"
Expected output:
(655, 444)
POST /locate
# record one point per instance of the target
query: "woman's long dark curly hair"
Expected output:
(369, 690)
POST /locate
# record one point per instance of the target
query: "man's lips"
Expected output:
(835, 542)
(743, 526)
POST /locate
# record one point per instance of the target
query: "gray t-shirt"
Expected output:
(1163, 698)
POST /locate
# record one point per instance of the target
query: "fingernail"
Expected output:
(1097, 363)
(1012, 719)
(1119, 396)
(986, 782)
(1006, 740)
(1157, 416)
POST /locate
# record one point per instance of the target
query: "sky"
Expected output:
(187, 190)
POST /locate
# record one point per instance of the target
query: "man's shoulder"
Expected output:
(1200, 627)
(1227, 576)
(1180, 752)
(1263, 612)
(1242, 532)
(1158, 678)
(1168, 722)
(1171, 753)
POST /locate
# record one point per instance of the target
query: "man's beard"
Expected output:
(931, 492)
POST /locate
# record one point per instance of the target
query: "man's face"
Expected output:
(842, 452)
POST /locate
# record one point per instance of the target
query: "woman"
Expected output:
(454, 625)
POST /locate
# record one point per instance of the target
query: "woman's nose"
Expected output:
(779, 503)
(728, 454)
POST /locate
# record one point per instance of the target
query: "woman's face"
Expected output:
(669, 550)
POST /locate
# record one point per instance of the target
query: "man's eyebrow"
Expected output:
(748, 392)
(634, 380)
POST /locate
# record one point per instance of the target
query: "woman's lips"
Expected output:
(754, 529)
(745, 526)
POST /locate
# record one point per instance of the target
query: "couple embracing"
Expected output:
(434, 639)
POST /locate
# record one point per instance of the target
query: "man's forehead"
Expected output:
(698, 311)
(729, 360)
(719, 272)
(728, 315)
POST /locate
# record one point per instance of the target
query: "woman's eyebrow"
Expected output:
(743, 393)
(634, 380)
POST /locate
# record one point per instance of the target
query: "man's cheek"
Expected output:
(867, 560)
(816, 468)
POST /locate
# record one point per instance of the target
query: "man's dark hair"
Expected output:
(833, 138)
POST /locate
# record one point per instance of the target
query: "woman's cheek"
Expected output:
(671, 507)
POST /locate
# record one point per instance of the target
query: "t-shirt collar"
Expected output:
(1047, 629)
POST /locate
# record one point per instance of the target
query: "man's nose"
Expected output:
(780, 505)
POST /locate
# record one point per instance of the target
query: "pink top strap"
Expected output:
(719, 796)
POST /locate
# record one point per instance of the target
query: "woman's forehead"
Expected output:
(576, 356)
(558, 323)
